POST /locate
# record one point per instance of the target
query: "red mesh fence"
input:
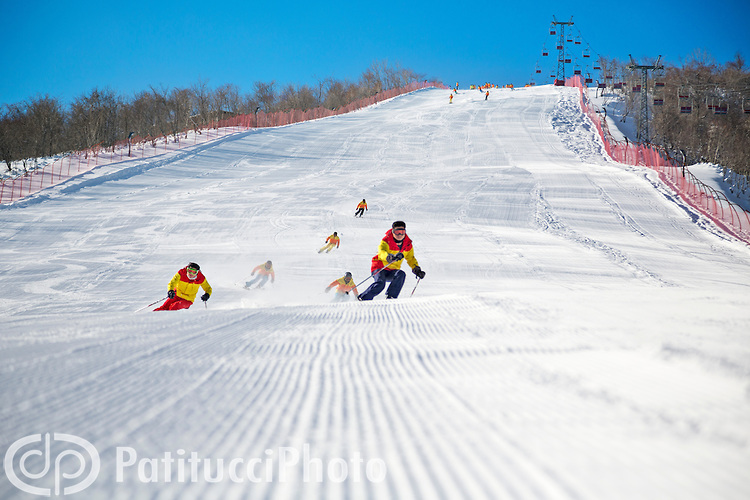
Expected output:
(727, 215)
(74, 163)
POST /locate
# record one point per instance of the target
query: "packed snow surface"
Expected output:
(580, 332)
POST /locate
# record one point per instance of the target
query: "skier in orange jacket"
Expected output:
(343, 286)
(331, 241)
(264, 271)
(361, 208)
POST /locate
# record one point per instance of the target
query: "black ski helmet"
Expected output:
(348, 275)
(195, 266)
(399, 223)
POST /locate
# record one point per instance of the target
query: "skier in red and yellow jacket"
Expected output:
(394, 248)
(343, 286)
(184, 287)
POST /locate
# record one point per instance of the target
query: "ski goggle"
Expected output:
(399, 230)
(192, 272)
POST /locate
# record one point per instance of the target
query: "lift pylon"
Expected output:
(561, 60)
(643, 134)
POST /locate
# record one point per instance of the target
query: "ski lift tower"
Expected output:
(560, 80)
(643, 111)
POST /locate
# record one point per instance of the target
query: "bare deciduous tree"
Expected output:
(92, 118)
(265, 95)
(302, 98)
(201, 99)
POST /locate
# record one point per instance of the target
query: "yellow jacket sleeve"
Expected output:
(383, 255)
(206, 287)
(384, 251)
(410, 259)
(173, 282)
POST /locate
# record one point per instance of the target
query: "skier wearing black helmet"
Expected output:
(183, 288)
(361, 207)
(332, 242)
(343, 285)
(394, 248)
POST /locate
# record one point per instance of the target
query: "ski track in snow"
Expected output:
(580, 333)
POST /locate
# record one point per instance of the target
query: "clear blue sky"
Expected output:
(65, 49)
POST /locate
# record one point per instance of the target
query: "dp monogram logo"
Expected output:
(63, 469)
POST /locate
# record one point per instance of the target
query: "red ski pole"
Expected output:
(151, 304)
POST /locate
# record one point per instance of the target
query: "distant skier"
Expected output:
(264, 271)
(451, 100)
(184, 287)
(486, 95)
(331, 241)
(361, 208)
(386, 265)
(343, 285)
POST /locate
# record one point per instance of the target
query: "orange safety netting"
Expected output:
(727, 215)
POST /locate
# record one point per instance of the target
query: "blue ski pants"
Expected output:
(395, 276)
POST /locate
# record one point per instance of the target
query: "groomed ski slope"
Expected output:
(580, 332)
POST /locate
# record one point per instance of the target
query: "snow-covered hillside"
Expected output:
(580, 332)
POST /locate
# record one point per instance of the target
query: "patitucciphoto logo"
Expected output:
(63, 464)
(73, 469)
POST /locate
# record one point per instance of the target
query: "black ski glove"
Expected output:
(205, 297)
(418, 272)
(170, 294)
(392, 258)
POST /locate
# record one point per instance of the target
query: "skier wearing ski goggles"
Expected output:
(394, 248)
(184, 287)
